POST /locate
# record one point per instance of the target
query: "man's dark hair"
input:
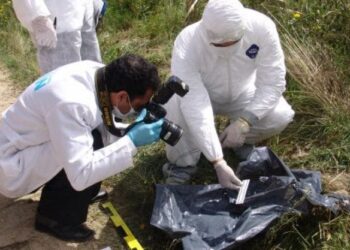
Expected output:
(133, 74)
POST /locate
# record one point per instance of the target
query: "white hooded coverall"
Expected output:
(75, 28)
(49, 129)
(245, 80)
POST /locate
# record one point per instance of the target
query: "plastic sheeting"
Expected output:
(206, 216)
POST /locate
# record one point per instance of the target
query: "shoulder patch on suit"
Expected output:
(42, 81)
(252, 51)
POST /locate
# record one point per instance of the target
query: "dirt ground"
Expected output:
(17, 216)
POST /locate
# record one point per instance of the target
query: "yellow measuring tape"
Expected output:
(118, 222)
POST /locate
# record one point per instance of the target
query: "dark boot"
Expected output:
(76, 233)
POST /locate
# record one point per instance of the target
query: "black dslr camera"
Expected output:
(171, 132)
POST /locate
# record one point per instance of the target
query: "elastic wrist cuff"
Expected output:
(249, 117)
(217, 163)
(244, 122)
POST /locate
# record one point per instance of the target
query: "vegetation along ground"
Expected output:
(316, 39)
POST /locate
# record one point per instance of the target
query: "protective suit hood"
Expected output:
(223, 20)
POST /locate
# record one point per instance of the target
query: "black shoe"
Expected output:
(77, 233)
(102, 195)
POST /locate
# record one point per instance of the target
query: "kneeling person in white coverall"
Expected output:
(63, 31)
(233, 62)
(54, 135)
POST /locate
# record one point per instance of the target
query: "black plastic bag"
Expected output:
(206, 216)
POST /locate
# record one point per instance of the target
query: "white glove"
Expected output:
(226, 176)
(44, 32)
(234, 135)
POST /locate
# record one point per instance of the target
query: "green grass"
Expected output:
(315, 37)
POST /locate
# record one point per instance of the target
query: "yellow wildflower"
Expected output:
(297, 15)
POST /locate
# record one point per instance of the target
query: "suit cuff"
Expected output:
(251, 118)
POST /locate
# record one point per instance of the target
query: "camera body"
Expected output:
(170, 132)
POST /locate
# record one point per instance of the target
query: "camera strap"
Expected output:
(104, 102)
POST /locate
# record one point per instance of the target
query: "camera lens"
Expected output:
(170, 133)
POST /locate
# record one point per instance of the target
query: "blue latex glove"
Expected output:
(142, 115)
(145, 133)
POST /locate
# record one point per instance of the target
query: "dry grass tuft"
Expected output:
(339, 184)
(311, 66)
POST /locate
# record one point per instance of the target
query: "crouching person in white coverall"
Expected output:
(54, 135)
(62, 31)
(233, 62)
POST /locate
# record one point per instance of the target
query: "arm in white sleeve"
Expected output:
(27, 10)
(72, 142)
(107, 137)
(270, 80)
(195, 105)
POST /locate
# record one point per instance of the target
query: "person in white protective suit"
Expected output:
(54, 135)
(62, 31)
(233, 62)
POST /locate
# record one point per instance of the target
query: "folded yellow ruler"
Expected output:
(119, 223)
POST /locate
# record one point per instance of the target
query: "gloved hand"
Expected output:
(145, 133)
(226, 176)
(44, 32)
(234, 135)
(141, 115)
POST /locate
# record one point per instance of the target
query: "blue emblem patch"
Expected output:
(252, 52)
(41, 82)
